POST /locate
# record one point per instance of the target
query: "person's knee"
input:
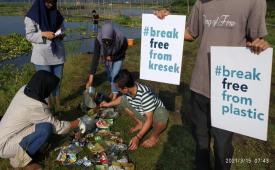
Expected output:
(45, 128)
(161, 117)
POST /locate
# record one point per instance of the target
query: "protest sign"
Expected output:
(161, 48)
(240, 90)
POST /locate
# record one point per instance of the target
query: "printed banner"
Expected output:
(240, 90)
(161, 48)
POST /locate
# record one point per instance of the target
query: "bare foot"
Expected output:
(136, 128)
(152, 141)
(33, 166)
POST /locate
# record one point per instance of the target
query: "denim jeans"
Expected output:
(95, 28)
(56, 70)
(112, 69)
(33, 142)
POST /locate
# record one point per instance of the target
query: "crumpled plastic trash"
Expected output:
(102, 124)
(109, 113)
(101, 167)
(79, 162)
(87, 123)
(96, 148)
(66, 158)
(123, 160)
(121, 166)
(103, 158)
(86, 162)
(120, 147)
(88, 100)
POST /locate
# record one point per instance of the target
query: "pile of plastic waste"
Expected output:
(100, 148)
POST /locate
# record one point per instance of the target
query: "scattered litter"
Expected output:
(102, 124)
(105, 149)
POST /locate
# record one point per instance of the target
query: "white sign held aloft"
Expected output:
(240, 90)
(161, 48)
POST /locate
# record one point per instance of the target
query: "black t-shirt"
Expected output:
(95, 18)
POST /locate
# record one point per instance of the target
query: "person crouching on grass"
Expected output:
(143, 106)
(28, 124)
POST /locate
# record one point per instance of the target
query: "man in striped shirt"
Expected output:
(143, 106)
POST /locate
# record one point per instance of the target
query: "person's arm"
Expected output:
(188, 36)
(258, 45)
(59, 127)
(121, 52)
(33, 34)
(94, 63)
(192, 30)
(74, 124)
(90, 81)
(256, 27)
(133, 144)
(161, 14)
(115, 102)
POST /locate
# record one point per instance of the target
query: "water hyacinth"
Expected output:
(13, 45)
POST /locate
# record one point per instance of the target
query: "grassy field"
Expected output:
(176, 147)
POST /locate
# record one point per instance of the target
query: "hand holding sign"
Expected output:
(240, 90)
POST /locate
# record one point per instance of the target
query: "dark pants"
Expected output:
(202, 130)
(33, 142)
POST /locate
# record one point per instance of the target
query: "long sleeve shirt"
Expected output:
(118, 55)
(22, 114)
(44, 52)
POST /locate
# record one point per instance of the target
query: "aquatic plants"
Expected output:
(13, 45)
(128, 21)
(13, 9)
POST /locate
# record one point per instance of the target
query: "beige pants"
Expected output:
(13, 151)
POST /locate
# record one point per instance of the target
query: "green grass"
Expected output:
(176, 147)
(72, 86)
(11, 79)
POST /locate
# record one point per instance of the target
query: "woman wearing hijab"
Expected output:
(110, 46)
(45, 30)
(28, 123)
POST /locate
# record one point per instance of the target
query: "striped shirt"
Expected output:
(145, 100)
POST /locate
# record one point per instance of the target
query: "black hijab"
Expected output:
(48, 20)
(41, 85)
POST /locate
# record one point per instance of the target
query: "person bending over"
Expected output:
(143, 106)
(28, 123)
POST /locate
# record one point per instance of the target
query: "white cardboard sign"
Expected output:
(240, 90)
(161, 48)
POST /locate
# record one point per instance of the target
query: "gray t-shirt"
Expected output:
(222, 23)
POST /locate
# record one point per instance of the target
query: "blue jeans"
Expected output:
(112, 69)
(56, 70)
(95, 28)
(33, 142)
